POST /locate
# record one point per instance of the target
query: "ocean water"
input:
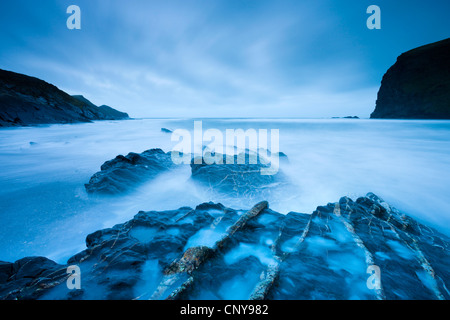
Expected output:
(45, 211)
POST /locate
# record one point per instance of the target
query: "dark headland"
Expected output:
(417, 86)
(26, 100)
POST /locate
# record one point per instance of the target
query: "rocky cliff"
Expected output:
(417, 86)
(123, 173)
(27, 100)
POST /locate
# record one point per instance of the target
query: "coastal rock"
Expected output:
(5, 271)
(28, 278)
(345, 241)
(417, 86)
(114, 261)
(346, 117)
(123, 173)
(362, 249)
(26, 100)
(106, 112)
(241, 177)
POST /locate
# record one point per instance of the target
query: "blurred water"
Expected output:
(44, 209)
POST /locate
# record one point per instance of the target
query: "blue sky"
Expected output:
(218, 58)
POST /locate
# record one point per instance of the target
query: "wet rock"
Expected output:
(245, 177)
(184, 271)
(215, 252)
(26, 100)
(124, 173)
(347, 238)
(191, 260)
(29, 278)
(113, 262)
(5, 271)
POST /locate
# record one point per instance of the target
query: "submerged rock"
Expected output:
(124, 173)
(362, 249)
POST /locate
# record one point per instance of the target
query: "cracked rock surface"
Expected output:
(215, 252)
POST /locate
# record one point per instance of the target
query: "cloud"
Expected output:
(197, 58)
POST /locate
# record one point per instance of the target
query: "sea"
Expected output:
(45, 210)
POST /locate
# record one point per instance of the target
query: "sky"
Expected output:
(218, 58)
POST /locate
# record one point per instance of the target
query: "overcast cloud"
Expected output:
(217, 58)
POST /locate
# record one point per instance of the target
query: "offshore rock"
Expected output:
(241, 177)
(123, 173)
(26, 100)
(30, 277)
(417, 86)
